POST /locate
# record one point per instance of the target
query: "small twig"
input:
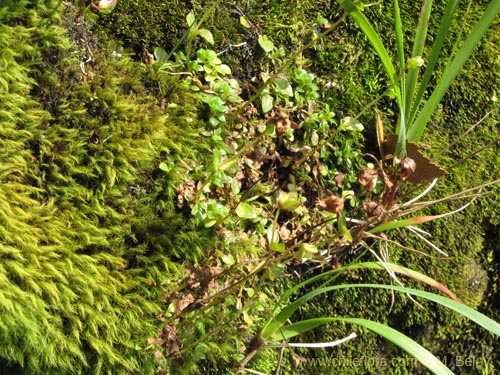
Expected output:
(420, 230)
(496, 140)
(427, 204)
(280, 360)
(373, 4)
(465, 194)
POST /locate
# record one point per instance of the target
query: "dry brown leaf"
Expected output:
(159, 355)
(425, 170)
(339, 180)
(155, 341)
(184, 301)
(368, 178)
(283, 123)
(332, 203)
(170, 337)
(373, 209)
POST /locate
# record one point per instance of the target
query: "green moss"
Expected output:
(81, 145)
(145, 25)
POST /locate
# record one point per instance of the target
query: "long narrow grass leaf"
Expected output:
(470, 313)
(425, 357)
(416, 130)
(401, 126)
(409, 273)
(277, 323)
(432, 60)
(372, 36)
(398, 27)
(402, 223)
(418, 50)
(330, 276)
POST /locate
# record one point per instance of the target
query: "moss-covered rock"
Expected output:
(81, 143)
(144, 25)
(89, 224)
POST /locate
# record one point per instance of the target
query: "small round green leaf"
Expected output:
(265, 43)
(350, 124)
(190, 18)
(206, 34)
(309, 248)
(284, 86)
(223, 69)
(244, 22)
(289, 201)
(246, 211)
(164, 167)
(228, 259)
(267, 103)
(160, 55)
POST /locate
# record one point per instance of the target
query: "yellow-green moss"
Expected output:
(81, 144)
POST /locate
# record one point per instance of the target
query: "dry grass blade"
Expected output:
(425, 240)
(393, 276)
(312, 345)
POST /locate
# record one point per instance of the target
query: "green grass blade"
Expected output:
(404, 342)
(407, 272)
(372, 36)
(470, 313)
(416, 129)
(418, 50)
(386, 60)
(277, 323)
(398, 27)
(332, 275)
(433, 58)
(295, 329)
(425, 357)
(402, 223)
(401, 126)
